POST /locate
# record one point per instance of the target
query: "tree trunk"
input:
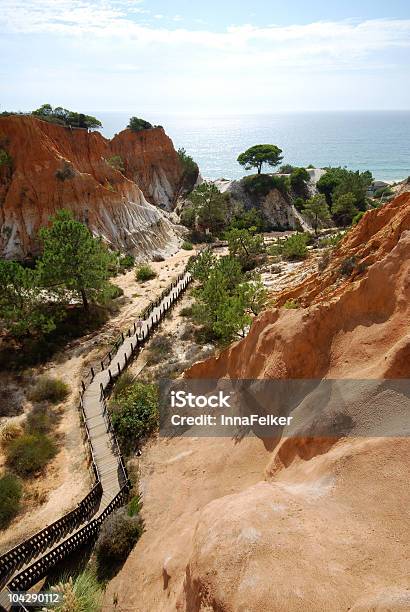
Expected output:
(84, 298)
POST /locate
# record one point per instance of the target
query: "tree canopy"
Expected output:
(256, 156)
(190, 170)
(338, 181)
(317, 210)
(136, 124)
(74, 263)
(207, 209)
(66, 117)
(344, 208)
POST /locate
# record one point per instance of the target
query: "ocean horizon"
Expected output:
(360, 140)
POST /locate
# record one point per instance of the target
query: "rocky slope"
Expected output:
(308, 523)
(54, 167)
(275, 209)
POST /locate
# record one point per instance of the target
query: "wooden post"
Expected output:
(102, 366)
(109, 356)
(92, 373)
(110, 375)
(119, 368)
(83, 385)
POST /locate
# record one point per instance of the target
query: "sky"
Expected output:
(208, 57)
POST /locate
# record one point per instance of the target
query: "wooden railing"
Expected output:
(31, 549)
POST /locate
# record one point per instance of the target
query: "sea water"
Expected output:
(378, 141)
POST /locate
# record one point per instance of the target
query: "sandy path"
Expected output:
(67, 478)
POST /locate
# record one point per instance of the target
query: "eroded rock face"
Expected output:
(274, 208)
(151, 161)
(54, 167)
(295, 524)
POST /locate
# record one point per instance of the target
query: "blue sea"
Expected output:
(376, 141)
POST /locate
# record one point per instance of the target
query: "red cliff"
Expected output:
(54, 167)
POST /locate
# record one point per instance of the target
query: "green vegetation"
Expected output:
(291, 304)
(247, 219)
(41, 419)
(256, 156)
(134, 506)
(23, 309)
(347, 266)
(117, 163)
(357, 217)
(118, 534)
(49, 389)
(10, 497)
(317, 211)
(187, 246)
(159, 348)
(338, 181)
(62, 116)
(136, 124)
(126, 262)
(245, 246)
(5, 158)
(331, 241)
(286, 169)
(259, 185)
(295, 247)
(30, 453)
(74, 264)
(65, 173)
(299, 180)
(144, 273)
(83, 594)
(135, 413)
(190, 170)
(344, 209)
(226, 298)
(207, 210)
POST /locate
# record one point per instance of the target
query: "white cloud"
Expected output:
(244, 64)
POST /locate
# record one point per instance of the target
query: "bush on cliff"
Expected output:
(63, 116)
(136, 124)
(259, 185)
(190, 170)
(338, 181)
(10, 496)
(207, 211)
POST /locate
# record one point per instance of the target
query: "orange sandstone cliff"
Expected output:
(301, 524)
(54, 167)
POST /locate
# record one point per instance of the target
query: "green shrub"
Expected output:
(357, 217)
(291, 304)
(348, 265)
(83, 594)
(135, 413)
(10, 496)
(30, 453)
(125, 380)
(136, 124)
(116, 162)
(134, 506)
(331, 241)
(48, 389)
(111, 292)
(41, 420)
(5, 159)
(187, 246)
(186, 311)
(144, 273)
(159, 348)
(65, 173)
(126, 262)
(118, 534)
(295, 248)
(259, 185)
